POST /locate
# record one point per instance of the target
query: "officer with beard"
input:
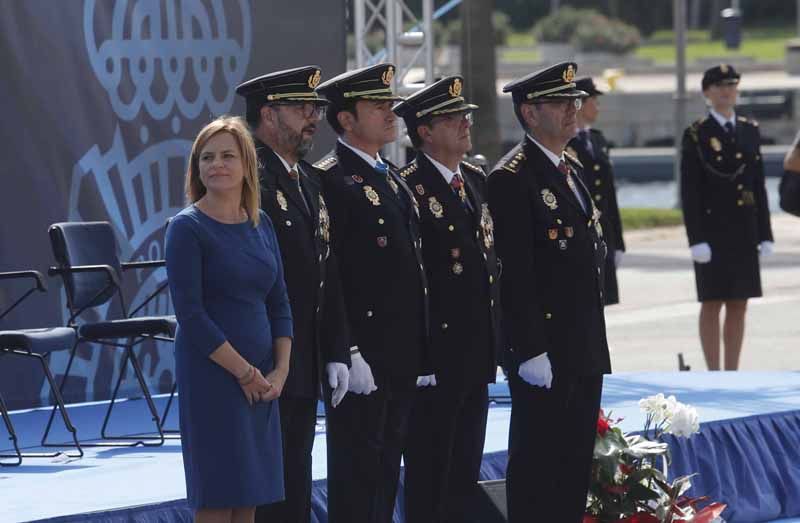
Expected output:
(283, 110)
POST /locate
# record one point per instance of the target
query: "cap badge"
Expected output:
(715, 144)
(723, 68)
(455, 89)
(549, 199)
(313, 80)
(387, 76)
(569, 74)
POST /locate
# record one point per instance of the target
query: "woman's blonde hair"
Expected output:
(251, 189)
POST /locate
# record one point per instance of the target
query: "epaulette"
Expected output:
(473, 167)
(747, 120)
(326, 163)
(512, 164)
(572, 159)
(410, 168)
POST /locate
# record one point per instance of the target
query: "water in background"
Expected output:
(663, 195)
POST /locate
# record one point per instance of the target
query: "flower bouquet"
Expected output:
(629, 471)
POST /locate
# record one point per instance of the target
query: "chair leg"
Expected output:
(137, 369)
(123, 371)
(60, 389)
(60, 405)
(12, 436)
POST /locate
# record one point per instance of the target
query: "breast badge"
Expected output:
(715, 144)
(324, 221)
(356, 178)
(420, 189)
(552, 234)
(569, 232)
(487, 224)
(282, 203)
(549, 199)
(435, 207)
(455, 253)
(383, 241)
(562, 244)
(372, 196)
(457, 268)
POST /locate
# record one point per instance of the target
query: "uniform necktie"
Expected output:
(295, 177)
(457, 184)
(565, 170)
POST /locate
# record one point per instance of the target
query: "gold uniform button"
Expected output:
(597, 167)
(444, 326)
(740, 186)
(548, 316)
(598, 183)
(451, 228)
(288, 223)
(598, 197)
(369, 314)
(738, 156)
(380, 221)
(719, 158)
(558, 221)
(739, 203)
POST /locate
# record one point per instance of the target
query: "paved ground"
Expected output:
(657, 317)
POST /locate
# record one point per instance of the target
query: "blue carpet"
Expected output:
(748, 453)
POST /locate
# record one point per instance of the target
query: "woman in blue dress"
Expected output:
(234, 330)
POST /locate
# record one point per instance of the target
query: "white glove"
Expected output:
(537, 371)
(361, 380)
(426, 381)
(618, 255)
(766, 248)
(701, 252)
(338, 379)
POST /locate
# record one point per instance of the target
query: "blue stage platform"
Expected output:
(747, 454)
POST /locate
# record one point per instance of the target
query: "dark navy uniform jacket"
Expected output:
(310, 270)
(462, 270)
(553, 256)
(722, 186)
(376, 239)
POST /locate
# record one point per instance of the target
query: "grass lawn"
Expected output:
(763, 45)
(648, 218)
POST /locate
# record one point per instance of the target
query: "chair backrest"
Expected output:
(85, 243)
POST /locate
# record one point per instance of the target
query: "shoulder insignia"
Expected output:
(512, 165)
(741, 119)
(326, 163)
(744, 119)
(572, 159)
(473, 167)
(409, 169)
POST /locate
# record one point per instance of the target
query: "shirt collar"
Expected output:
(446, 173)
(364, 156)
(555, 158)
(721, 120)
(286, 164)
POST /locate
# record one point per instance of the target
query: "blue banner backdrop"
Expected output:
(102, 100)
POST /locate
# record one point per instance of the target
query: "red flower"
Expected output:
(625, 468)
(602, 424)
(641, 517)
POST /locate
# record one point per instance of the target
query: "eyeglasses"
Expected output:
(307, 110)
(455, 117)
(562, 104)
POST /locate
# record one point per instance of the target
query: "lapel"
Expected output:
(439, 187)
(550, 175)
(474, 196)
(310, 188)
(354, 164)
(273, 164)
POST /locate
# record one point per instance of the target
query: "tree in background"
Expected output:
(478, 66)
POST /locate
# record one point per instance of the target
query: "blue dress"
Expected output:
(226, 283)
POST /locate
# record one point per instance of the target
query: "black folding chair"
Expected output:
(86, 254)
(37, 344)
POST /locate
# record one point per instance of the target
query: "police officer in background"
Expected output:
(283, 111)
(726, 214)
(550, 239)
(375, 230)
(448, 423)
(591, 148)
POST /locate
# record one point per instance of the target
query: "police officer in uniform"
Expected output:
(591, 149)
(726, 214)
(375, 230)
(448, 424)
(550, 240)
(283, 111)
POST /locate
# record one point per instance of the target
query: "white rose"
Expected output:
(684, 421)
